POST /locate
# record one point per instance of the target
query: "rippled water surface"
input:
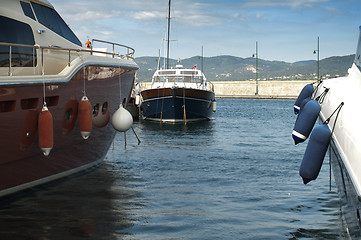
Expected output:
(234, 177)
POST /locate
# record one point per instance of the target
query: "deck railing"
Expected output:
(129, 52)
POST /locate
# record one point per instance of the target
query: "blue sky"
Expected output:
(286, 30)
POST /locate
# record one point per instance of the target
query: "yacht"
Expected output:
(57, 96)
(178, 94)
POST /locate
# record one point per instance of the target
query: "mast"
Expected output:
(256, 68)
(167, 67)
(202, 60)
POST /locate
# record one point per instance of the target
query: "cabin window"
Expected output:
(27, 10)
(13, 31)
(166, 72)
(197, 79)
(52, 20)
(189, 72)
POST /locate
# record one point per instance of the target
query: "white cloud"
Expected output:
(334, 10)
(148, 15)
(294, 4)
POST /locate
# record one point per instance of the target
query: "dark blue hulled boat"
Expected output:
(178, 95)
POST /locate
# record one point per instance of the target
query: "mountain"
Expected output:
(223, 68)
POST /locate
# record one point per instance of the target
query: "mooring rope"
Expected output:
(322, 96)
(338, 109)
(184, 107)
(43, 76)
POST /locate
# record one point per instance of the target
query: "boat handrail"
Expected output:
(212, 85)
(129, 55)
(130, 50)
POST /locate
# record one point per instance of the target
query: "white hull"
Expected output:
(345, 147)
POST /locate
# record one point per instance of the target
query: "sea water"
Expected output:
(234, 177)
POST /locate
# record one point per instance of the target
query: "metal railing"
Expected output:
(128, 55)
(130, 51)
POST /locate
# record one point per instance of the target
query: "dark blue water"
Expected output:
(235, 177)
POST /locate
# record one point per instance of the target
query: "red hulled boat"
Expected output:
(43, 66)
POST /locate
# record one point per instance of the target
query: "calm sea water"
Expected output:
(234, 177)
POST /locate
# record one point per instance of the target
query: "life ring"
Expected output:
(69, 116)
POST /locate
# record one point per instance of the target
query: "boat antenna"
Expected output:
(202, 59)
(158, 65)
(161, 55)
(168, 35)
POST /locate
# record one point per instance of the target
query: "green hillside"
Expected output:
(223, 68)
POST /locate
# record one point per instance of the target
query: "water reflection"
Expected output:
(200, 127)
(95, 205)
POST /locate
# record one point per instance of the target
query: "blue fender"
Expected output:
(315, 153)
(306, 100)
(305, 121)
(305, 93)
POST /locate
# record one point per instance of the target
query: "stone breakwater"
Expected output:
(266, 89)
(247, 89)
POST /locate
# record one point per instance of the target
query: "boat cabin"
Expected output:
(25, 24)
(35, 40)
(179, 77)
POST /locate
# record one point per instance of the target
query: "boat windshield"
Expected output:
(52, 20)
(178, 76)
(358, 52)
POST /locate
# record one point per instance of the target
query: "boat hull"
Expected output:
(350, 203)
(22, 163)
(339, 99)
(177, 104)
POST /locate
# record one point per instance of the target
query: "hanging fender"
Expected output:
(122, 120)
(306, 100)
(85, 117)
(305, 93)
(315, 153)
(305, 121)
(137, 99)
(45, 131)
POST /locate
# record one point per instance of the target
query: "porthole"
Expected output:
(95, 109)
(104, 107)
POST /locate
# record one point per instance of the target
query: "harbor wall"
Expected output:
(247, 89)
(266, 89)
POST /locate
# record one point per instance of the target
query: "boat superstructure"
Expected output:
(43, 63)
